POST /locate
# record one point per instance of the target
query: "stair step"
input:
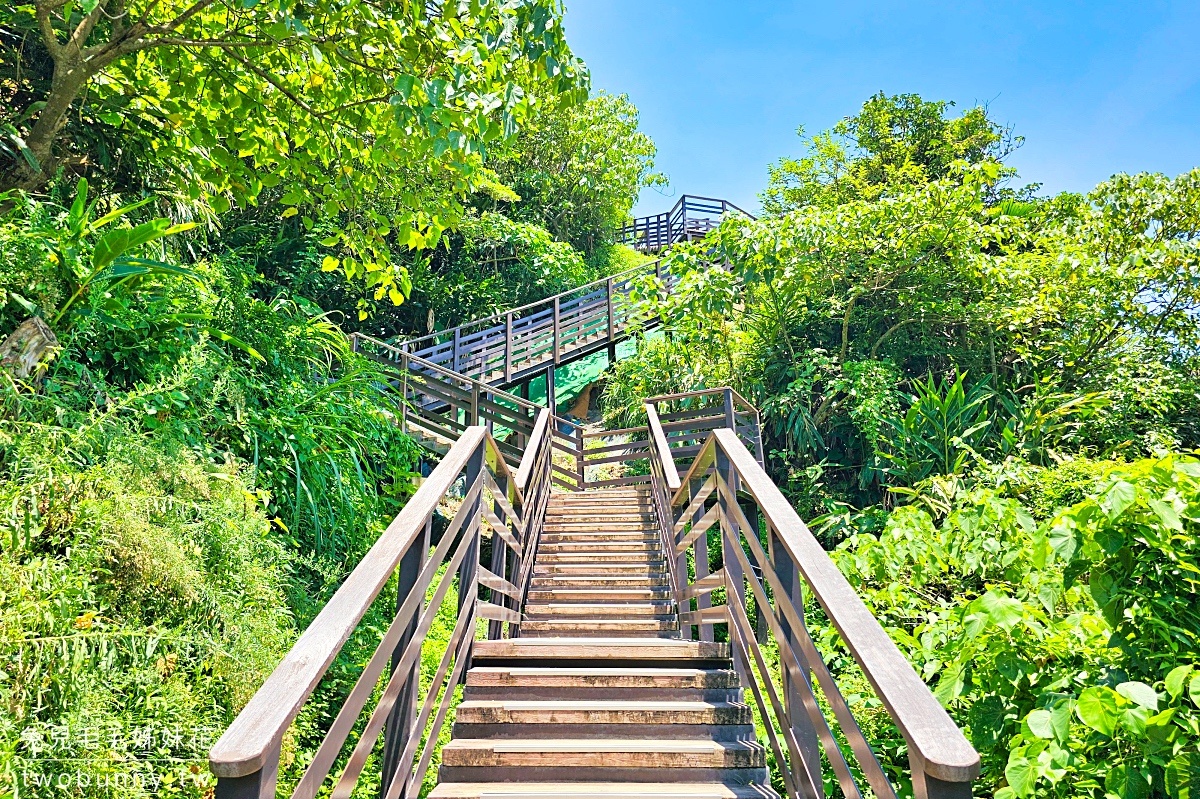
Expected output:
(600, 790)
(590, 537)
(605, 711)
(598, 547)
(535, 610)
(604, 569)
(552, 677)
(599, 650)
(597, 627)
(599, 759)
(586, 525)
(597, 595)
(556, 581)
(636, 558)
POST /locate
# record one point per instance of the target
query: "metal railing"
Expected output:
(437, 404)
(691, 218)
(246, 758)
(764, 547)
(506, 348)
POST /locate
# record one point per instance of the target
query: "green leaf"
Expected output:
(1175, 680)
(1097, 708)
(404, 85)
(1003, 610)
(1126, 782)
(1021, 774)
(1040, 724)
(1183, 776)
(1194, 690)
(1119, 497)
(1139, 693)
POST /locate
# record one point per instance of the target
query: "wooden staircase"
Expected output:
(599, 696)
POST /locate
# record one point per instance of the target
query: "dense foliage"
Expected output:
(984, 400)
(208, 197)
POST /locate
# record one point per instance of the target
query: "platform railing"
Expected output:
(748, 545)
(692, 217)
(491, 499)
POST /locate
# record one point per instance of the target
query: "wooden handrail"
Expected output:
(936, 743)
(661, 451)
(244, 747)
(532, 448)
(500, 318)
(245, 759)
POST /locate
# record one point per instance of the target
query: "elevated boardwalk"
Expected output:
(638, 635)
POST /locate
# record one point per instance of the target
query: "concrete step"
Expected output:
(616, 759)
(600, 790)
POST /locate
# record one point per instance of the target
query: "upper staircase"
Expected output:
(630, 619)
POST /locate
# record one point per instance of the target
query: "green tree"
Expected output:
(578, 169)
(374, 115)
(891, 144)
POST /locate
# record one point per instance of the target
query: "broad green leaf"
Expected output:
(1002, 610)
(1175, 680)
(1040, 724)
(1183, 776)
(1126, 782)
(1139, 693)
(1097, 708)
(1021, 774)
(1119, 497)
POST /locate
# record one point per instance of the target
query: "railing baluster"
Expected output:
(397, 730)
(806, 734)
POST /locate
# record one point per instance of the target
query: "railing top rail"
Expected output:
(499, 318)
(245, 746)
(738, 398)
(926, 725)
(661, 449)
(525, 470)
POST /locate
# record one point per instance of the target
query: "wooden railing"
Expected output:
(436, 405)
(741, 533)
(510, 347)
(685, 419)
(246, 758)
(691, 218)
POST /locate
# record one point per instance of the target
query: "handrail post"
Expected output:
(557, 332)
(499, 564)
(700, 556)
(926, 786)
(400, 720)
(457, 342)
(474, 418)
(508, 347)
(612, 323)
(257, 785)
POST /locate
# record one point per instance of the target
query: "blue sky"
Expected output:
(1094, 87)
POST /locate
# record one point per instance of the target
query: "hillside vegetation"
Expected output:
(987, 403)
(191, 457)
